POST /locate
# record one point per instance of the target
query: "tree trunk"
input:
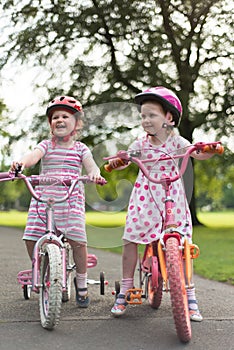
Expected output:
(186, 131)
(192, 207)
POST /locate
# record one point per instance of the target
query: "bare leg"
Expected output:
(30, 247)
(129, 259)
(80, 255)
(194, 312)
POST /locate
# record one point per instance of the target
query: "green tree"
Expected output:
(4, 134)
(111, 50)
(215, 192)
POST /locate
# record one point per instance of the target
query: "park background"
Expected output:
(104, 53)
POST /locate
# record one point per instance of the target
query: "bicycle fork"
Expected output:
(49, 238)
(189, 252)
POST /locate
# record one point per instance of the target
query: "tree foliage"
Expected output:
(215, 192)
(108, 50)
(112, 49)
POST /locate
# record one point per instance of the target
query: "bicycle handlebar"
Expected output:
(123, 157)
(36, 180)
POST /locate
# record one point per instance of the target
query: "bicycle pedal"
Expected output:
(134, 296)
(25, 277)
(91, 261)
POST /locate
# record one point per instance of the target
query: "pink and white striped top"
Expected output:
(57, 163)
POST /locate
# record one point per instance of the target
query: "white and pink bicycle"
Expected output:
(52, 263)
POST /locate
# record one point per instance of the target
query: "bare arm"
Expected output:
(91, 168)
(28, 160)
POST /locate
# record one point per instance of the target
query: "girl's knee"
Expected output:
(77, 244)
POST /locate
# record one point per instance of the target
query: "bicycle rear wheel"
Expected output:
(154, 281)
(50, 298)
(102, 283)
(178, 293)
(154, 285)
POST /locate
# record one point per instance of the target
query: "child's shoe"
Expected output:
(194, 313)
(119, 308)
(81, 300)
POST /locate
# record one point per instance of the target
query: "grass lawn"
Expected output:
(215, 239)
(216, 260)
(13, 218)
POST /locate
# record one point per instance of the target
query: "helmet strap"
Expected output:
(167, 126)
(64, 139)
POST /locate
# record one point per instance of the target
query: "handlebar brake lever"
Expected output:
(18, 170)
(135, 154)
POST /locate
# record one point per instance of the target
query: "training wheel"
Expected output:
(117, 288)
(27, 291)
(102, 283)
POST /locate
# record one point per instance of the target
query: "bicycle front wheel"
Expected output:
(178, 293)
(50, 298)
(66, 295)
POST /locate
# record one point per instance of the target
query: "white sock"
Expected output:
(81, 280)
(192, 296)
(127, 283)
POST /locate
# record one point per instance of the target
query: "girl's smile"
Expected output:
(63, 123)
(153, 118)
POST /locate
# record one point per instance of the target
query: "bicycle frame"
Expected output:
(32, 278)
(163, 258)
(191, 251)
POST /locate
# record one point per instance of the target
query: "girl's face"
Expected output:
(153, 117)
(63, 123)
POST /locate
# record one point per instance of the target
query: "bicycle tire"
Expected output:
(66, 295)
(117, 289)
(154, 285)
(27, 291)
(102, 283)
(178, 293)
(50, 298)
(141, 283)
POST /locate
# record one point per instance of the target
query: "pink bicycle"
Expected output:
(52, 262)
(162, 266)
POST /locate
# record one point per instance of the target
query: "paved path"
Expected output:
(142, 328)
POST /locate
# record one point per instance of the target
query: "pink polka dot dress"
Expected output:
(146, 213)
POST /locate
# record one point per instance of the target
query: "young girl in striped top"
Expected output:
(62, 156)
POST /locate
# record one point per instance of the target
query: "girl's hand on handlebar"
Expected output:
(16, 167)
(97, 178)
(206, 151)
(115, 163)
(216, 148)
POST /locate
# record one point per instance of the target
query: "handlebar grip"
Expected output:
(213, 149)
(118, 163)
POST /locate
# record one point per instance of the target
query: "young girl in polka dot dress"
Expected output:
(146, 206)
(160, 112)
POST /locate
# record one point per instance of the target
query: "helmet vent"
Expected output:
(64, 102)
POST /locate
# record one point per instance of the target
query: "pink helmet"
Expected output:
(165, 97)
(64, 102)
